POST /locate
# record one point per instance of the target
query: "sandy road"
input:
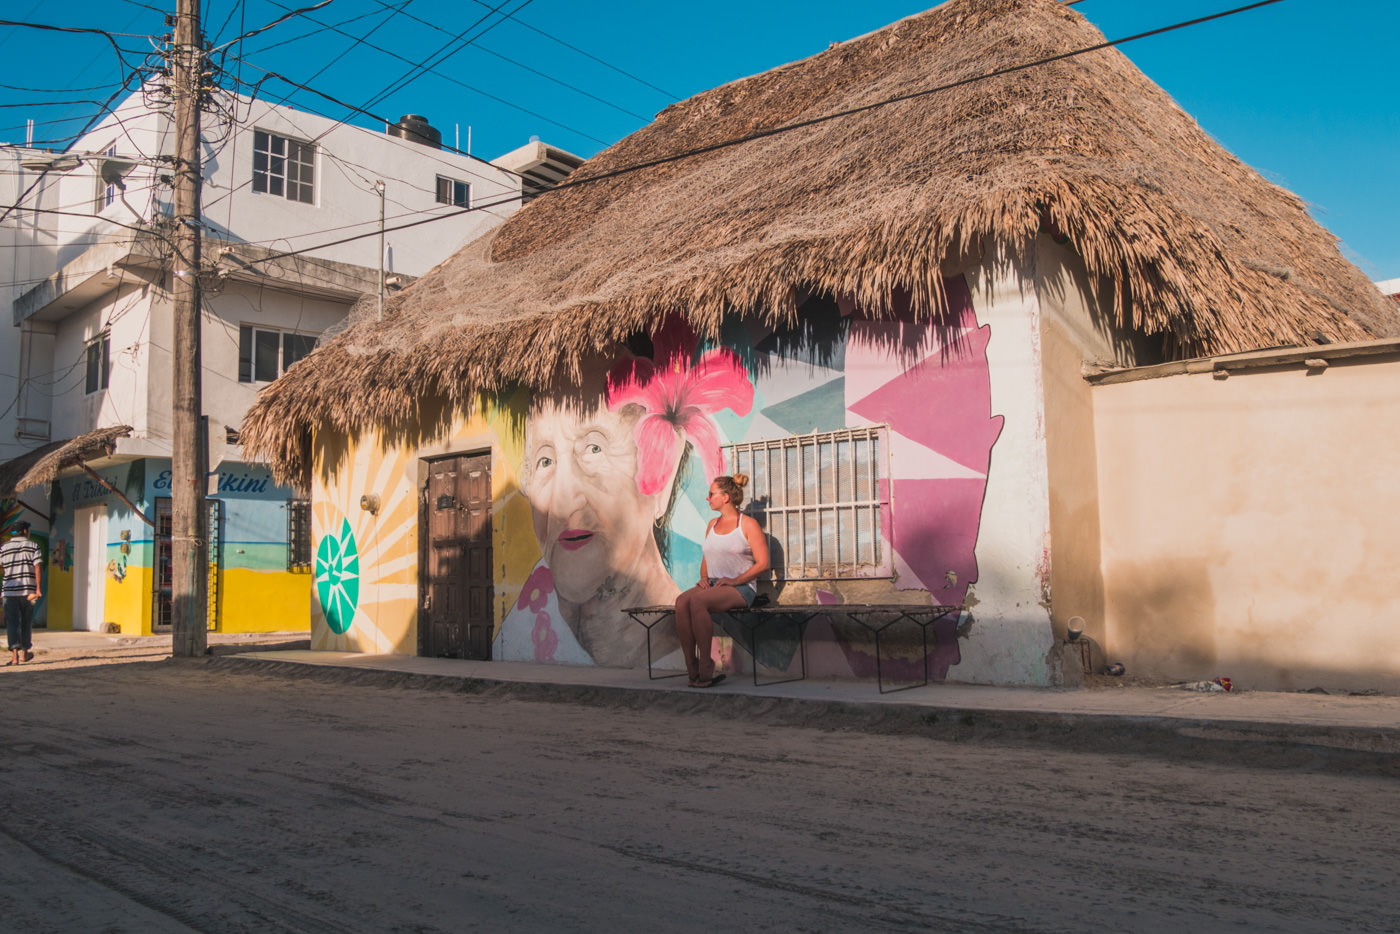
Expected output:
(212, 796)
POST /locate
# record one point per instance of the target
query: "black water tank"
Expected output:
(416, 129)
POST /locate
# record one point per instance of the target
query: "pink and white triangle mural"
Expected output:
(938, 409)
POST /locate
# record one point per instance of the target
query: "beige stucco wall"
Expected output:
(1075, 330)
(1071, 334)
(1251, 525)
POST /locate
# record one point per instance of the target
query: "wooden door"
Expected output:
(457, 588)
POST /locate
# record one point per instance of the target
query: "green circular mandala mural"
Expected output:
(338, 577)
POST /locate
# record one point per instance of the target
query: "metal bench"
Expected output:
(749, 622)
(875, 618)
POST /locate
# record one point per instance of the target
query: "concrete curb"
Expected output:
(1310, 747)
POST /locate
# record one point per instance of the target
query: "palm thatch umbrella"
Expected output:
(42, 465)
(1183, 240)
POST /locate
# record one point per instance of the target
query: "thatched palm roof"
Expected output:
(42, 465)
(1195, 246)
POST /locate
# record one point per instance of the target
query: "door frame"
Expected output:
(91, 580)
(425, 465)
(162, 545)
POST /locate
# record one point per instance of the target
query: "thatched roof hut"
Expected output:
(42, 465)
(1186, 242)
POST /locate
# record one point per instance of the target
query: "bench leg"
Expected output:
(752, 632)
(651, 675)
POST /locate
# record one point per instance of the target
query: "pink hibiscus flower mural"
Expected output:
(679, 401)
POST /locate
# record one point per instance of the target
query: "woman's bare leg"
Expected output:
(686, 633)
(702, 624)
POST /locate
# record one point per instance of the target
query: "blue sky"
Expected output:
(1304, 90)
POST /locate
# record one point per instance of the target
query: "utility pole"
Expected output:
(189, 588)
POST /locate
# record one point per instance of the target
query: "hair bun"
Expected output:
(741, 479)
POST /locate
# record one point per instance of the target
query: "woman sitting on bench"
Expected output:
(735, 554)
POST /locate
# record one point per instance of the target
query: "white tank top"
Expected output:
(727, 554)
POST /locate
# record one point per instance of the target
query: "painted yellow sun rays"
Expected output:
(383, 577)
(365, 597)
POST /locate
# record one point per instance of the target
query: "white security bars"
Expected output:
(821, 498)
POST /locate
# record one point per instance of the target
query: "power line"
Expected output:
(364, 41)
(356, 43)
(361, 110)
(444, 211)
(12, 87)
(340, 103)
(417, 149)
(109, 36)
(49, 104)
(443, 54)
(1001, 72)
(98, 116)
(375, 232)
(306, 35)
(589, 55)
(490, 51)
(802, 124)
(147, 6)
(236, 6)
(280, 19)
(763, 134)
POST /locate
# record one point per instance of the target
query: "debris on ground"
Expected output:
(1215, 685)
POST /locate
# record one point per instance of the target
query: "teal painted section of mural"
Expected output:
(338, 577)
(820, 409)
(255, 556)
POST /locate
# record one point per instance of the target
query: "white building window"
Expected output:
(99, 362)
(266, 353)
(283, 166)
(451, 191)
(823, 499)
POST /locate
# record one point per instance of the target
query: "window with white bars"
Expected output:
(298, 534)
(822, 498)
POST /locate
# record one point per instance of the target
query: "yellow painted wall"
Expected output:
(249, 601)
(263, 601)
(128, 601)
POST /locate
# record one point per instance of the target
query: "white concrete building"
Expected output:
(86, 254)
(292, 207)
(26, 257)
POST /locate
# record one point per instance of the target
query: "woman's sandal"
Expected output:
(711, 683)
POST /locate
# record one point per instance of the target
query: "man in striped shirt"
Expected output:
(20, 564)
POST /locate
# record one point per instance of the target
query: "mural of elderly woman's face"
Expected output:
(581, 480)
